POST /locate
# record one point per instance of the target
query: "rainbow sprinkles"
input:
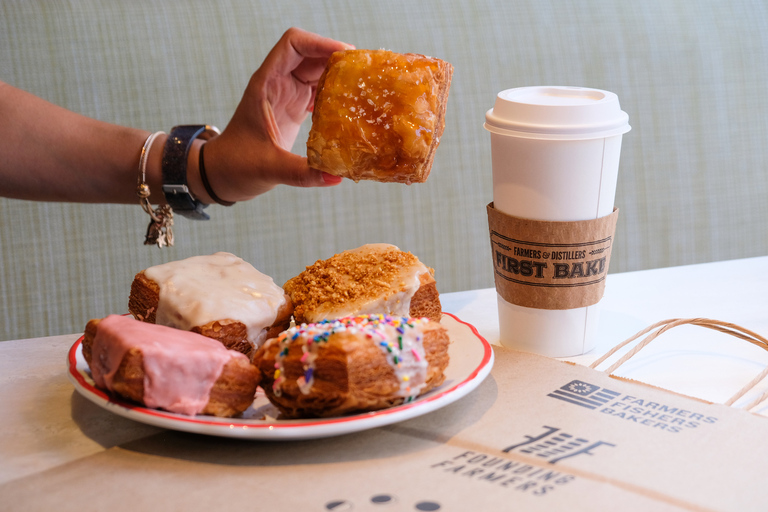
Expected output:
(400, 339)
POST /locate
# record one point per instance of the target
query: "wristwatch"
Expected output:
(174, 168)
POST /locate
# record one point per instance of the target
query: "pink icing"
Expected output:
(180, 367)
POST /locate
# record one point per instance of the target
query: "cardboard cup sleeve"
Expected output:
(550, 265)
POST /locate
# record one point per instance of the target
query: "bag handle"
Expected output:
(717, 325)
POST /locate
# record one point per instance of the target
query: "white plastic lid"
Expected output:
(557, 113)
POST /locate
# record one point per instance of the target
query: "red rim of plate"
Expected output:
(487, 354)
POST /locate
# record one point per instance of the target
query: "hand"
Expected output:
(253, 155)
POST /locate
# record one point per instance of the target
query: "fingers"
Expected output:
(239, 169)
(272, 127)
(311, 102)
(296, 45)
(310, 45)
(295, 171)
(331, 180)
(309, 70)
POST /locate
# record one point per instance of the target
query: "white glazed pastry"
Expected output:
(220, 296)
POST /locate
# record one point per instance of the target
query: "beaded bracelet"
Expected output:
(159, 231)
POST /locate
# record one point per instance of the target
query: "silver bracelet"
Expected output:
(159, 231)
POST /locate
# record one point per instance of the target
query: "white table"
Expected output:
(690, 360)
(49, 433)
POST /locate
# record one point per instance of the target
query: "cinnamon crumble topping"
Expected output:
(352, 276)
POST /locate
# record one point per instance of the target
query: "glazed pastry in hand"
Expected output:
(353, 364)
(379, 115)
(372, 279)
(167, 368)
(219, 296)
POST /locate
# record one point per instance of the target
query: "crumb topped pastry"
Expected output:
(219, 295)
(372, 279)
(361, 363)
(379, 115)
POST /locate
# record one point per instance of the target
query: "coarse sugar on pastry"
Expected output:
(371, 279)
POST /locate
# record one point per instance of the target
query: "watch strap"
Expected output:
(174, 168)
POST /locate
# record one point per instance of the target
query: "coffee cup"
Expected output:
(555, 158)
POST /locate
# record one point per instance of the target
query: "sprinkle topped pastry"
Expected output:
(399, 338)
(352, 364)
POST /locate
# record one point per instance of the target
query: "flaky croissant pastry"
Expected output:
(362, 363)
(220, 296)
(379, 115)
(370, 279)
(167, 368)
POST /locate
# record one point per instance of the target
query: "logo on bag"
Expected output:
(640, 411)
(584, 394)
(554, 445)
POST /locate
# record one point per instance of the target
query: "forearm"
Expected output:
(49, 153)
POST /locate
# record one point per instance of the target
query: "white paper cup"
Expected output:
(555, 157)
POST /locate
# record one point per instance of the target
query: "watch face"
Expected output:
(174, 169)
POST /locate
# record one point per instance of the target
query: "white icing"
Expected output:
(202, 289)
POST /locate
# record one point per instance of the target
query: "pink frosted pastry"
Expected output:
(167, 368)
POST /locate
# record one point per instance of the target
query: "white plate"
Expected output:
(471, 362)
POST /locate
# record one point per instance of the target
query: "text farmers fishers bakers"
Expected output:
(630, 408)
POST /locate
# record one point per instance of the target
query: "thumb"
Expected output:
(294, 170)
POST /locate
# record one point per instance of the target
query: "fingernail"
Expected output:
(330, 179)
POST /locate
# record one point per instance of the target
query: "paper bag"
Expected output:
(544, 435)
(549, 435)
